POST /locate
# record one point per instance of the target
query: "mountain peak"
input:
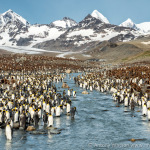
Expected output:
(67, 18)
(66, 22)
(96, 14)
(129, 20)
(8, 11)
(128, 23)
(11, 16)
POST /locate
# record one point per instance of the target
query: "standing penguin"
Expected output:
(45, 118)
(16, 116)
(72, 112)
(91, 88)
(132, 104)
(69, 93)
(144, 110)
(58, 111)
(126, 102)
(8, 131)
(40, 113)
(36, 118)
(68, 108)
(50, 120)
(74, 93)
(23, 120)
(52, 110)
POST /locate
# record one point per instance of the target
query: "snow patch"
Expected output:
(64, 54)
(24, 49)
(40, 34)
(83, 32)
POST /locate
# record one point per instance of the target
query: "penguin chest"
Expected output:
(40, 113)
(80, 84)
(32, 114)
(50, 120)
(144, 110)
(68, 92)
(148, 104)
(30, 109)
(16, 117)
(44, 106)
(68, 108)
(58, 111)
(126, 101)
(91, 88)
(10, 105)
(8, 132)
(74, 94)
(52, 110)
(7, 115)
(47, 108)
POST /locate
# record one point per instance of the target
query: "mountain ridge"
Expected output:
(143, 27)
(65, 34)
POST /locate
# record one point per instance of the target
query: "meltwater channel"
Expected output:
(98, 124)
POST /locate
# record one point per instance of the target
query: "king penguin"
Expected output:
(58, 111)
(144, 110)
(74, 93)
(8, 131)
(72, 112)
(50, 120)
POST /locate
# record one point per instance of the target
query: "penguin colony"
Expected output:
(128, 85)
(18, 62)
(27, 98)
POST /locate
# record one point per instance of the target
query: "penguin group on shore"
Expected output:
(129, 86)
(27, 98)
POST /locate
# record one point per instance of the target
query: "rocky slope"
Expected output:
(66, 34)
(87, 33)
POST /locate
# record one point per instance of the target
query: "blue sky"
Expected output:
(47, 11)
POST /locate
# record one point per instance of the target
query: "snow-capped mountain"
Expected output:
(86, 34)
(128, 23)
(13, 18)
(11, 24)
(143, 27)
(64, 34)
(64, 23)
(16, 31)
(99, 16)
(37, 34)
